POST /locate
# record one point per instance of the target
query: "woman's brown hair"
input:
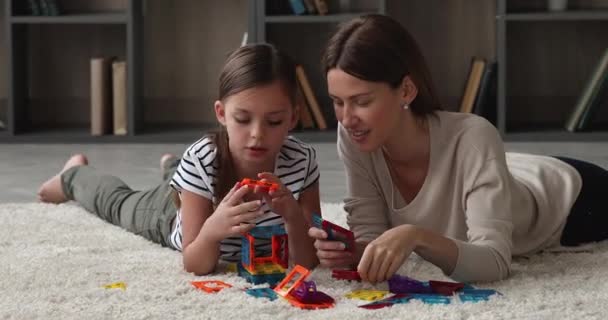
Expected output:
(377, 48)
(248, 67)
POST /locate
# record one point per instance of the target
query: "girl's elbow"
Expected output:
(197, 270)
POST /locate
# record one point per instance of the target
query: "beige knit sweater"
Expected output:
(491, 203)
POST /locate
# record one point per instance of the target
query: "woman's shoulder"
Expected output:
(463, 122)
(469, 132)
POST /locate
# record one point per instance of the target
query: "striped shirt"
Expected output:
(295, 165)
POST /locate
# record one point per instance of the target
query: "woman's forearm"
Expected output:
(436, 249)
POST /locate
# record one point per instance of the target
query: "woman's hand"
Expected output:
(232, 216)
(281, 200)
(331, 254)
(383, 256)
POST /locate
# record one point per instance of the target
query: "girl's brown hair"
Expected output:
(248, 67)
(377, 48)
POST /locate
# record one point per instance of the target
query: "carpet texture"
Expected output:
(56, 259)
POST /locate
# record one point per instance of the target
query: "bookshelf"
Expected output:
(544, 60)
(52, 111)
(304, 37)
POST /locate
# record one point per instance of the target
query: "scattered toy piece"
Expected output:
(116, 285)
(293, 281)
(262, 293)
(231, 267)
(210, 286)
(387, 302)
(445, 288)
(367, 295)
(403, 284)
(352, 275)
(307, 293)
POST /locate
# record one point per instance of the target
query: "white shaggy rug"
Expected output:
(56, 259)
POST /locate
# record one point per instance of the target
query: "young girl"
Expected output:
(256, 109)
(440, 183)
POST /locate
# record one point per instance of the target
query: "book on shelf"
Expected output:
(119, 97)
(581, 114)
(472, 85)
(310, 97)
(278, 7)
(33, 8)
(48, 7)
(101, 105)
(53, 7)
(297, 7)
(310, 6)
(322, 7)
(305, 120)
(600, 102)
(485, 102)
(245, 38)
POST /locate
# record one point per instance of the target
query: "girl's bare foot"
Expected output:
(165, 160)
(52, 191)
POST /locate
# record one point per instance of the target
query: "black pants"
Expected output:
(588, 218)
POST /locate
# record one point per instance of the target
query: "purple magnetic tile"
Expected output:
(307, 293)
(403, 284)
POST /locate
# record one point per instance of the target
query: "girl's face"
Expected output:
(369, 111)
(257, 121)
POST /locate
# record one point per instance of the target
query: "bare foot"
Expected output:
(165, 159)
(52, 191)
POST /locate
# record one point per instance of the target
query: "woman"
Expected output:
(439, 183)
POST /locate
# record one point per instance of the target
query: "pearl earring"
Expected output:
(405, 106)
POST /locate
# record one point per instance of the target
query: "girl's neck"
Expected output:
(409, 145)
(247, 170)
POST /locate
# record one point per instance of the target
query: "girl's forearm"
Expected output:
(301, 246)
(201, 255)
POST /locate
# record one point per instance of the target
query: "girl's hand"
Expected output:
(383, 256)
(281, 201)
(331, 254)
(232, 215)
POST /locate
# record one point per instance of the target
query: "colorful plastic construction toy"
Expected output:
(475, 295)
(265, 186)
(335, 232)
(403, 284)
(367, 295)
(270, 278)
(300, 293)
(432, 292)
(445, 288)
(262, 293)
(307, 293)
(211, 286)
(266, 269)
(351, 275)
(116, 285)
(387, 302)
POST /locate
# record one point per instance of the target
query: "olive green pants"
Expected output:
(146, 213)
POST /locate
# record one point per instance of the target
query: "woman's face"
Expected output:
(369, 111)
(257, 121)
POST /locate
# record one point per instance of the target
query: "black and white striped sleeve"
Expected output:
(312, 168)
(195, 170)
